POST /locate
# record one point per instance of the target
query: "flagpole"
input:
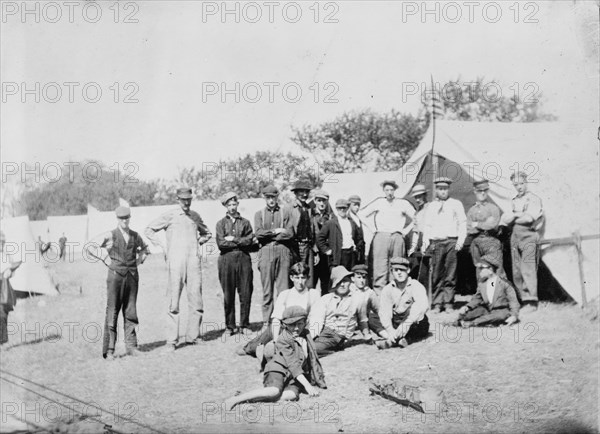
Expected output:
(434, 164)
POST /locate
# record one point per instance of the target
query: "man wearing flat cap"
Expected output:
(338, 238)
(495, 302)
(419, 261)
(483, 219)
(304, 236)
(402, 309)
(394, 219)
(444, 233)
(355, 202)
(320, 215)
(274, 231)
(186, 232)
(234, 239)
(126, 250)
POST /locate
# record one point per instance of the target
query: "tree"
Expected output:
(361, 141)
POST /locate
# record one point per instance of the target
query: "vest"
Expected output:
(123, 256)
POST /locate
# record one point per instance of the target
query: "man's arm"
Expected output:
(287, 232)
(513, 301)
(532, 211)
(222, 243)
(417, 310)
(317, 316)
(461, 221)
(263, 235)
(492, 220)
(409, 212)
(160, 223)
(386, 306)
(247, 235)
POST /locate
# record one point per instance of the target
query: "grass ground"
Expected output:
(540, 375)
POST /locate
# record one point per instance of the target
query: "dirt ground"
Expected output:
(540, 375)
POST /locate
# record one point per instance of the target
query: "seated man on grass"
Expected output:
(402, 309)
(494, 303)
(368, 299)
(293, 368)
(336, 316)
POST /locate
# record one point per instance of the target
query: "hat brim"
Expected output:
(293, 319)
(184, 196)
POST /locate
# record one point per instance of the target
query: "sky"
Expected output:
(178, 67)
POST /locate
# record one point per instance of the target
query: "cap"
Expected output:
(227, 197)
(321, 193)
(184, 193)
(342, 203)
(481, 185)
(360, 268)
(123, 212)
(355, 198)
(399, 261)
(291, 314)
(337, 275)
(270, 190)
(389, 182)
(302, 184)
(418, 190)
(442, 180)
(491, 260)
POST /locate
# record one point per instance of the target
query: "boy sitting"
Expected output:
(495, 301)
(294, 367)
(368, 299)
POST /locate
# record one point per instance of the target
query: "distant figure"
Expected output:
(62, 243)
(126, 250)
(186, 232)
(234, 240)
(495, 302)
(44, 247)
(7, 295)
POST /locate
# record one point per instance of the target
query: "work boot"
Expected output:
(402, 343)
(133, 351)
(240, 351)
(110, 356)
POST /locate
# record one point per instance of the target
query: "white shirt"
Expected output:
(291, 297)
(346, 227)
(444, 219)
(125, 235)
(491, 288)
(391, 216)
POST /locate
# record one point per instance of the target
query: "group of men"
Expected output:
(407, 238)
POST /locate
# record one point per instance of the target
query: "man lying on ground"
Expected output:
(335, 317)
(294, 368)
(494, 303)
(402, 309)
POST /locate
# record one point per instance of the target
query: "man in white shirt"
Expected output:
(402, 308)
(394, 219)
(444, 233)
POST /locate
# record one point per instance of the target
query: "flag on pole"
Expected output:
(437, 105)
(123, 202)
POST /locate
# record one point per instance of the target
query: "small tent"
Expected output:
(31, 276)
(561, 161)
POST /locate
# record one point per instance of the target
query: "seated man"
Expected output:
(495, 301)
(402, 308)
(368, 299)
(335, 317)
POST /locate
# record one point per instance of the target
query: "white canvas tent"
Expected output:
(31, 276)
(562, 161)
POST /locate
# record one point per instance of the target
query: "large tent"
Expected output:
(562, 163)
(31, 276)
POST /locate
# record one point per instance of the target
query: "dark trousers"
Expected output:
(328, 341)
(121, 295)
(304, 253)
(322, 274)
(419, 264)
(417, 331)
(481, 315)
(235, 272)
(4, 310)
(263, 338)
(348, 258)
(443, 269)
(487, 245)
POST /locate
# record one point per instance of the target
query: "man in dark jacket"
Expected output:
(495, 302)
(339, 238)
(126, 250)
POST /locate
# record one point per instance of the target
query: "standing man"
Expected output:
(186, 232)
(338, 239)
(7, 295)
(527, 219)
(419, 261)
(126, 250)
(482, 227)
(274, 231)
(444, 234)
(62, 243)
(355, 202)
(394, 219)
(320, 215)
(304, 237)
(234, 239)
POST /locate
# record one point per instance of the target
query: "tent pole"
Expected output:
(577, 241)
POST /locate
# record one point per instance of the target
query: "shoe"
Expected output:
(466, 324)
(231, 331)
(197, 341)
(133, 352)
(402, 343)
(245, 331)
(240, 351)
(109, 357)
(383, 344)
